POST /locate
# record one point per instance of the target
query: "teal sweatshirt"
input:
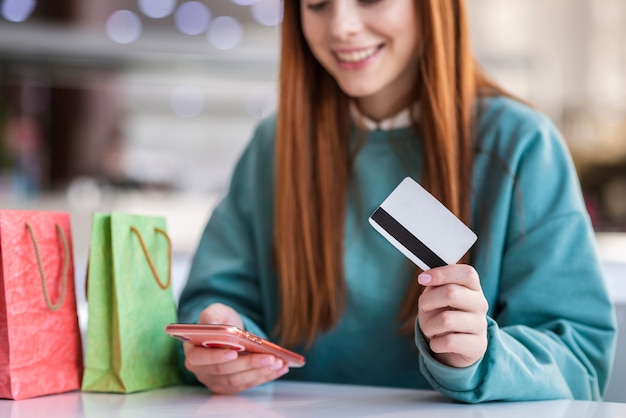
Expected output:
(551, 325)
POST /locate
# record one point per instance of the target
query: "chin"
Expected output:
(358, 92)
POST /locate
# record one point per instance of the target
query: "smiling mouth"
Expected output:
(356, 56)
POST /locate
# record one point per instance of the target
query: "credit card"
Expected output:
(421, 227)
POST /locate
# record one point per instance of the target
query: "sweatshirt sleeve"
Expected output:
(551, 327)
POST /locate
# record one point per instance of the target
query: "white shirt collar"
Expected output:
(401, 119)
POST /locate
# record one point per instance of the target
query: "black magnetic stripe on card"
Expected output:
(408, 240)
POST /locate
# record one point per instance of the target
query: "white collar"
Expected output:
(401, 119)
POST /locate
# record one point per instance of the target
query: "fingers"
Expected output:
(201, 356)
(458, 350)
(226, 371)
(461, 274)
(453, 314)
(452, 321)
(452, 296)
(455, 286)
(237, 382)
(456, 338)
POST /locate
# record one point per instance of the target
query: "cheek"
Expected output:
(407, 44)
(310, 29)
(316, 42)
(403, 24)
(312, 36)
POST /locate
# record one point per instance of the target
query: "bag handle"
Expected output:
(44, 281)
(149, 259)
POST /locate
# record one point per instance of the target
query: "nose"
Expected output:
(345, 20)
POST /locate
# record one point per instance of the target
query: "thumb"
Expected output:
(219, 313)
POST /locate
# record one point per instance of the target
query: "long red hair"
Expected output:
(313, 157)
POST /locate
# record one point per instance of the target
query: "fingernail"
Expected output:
(230, 355)
(268, 361)
(277, 365)
(424, 278)
(283, 371)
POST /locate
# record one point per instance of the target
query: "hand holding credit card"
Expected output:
(421, 227)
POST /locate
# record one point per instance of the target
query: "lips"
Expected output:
(356, 55)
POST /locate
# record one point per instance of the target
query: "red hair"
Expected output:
(313, 156)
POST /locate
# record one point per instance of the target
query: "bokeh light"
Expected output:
(17, 10)
(192, 18)
(225, 33)
(123, 27)
(187, 101)
(244, 2)
(157, 9)
(267, 12)
(84, 194)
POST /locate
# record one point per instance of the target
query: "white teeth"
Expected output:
(356, 56)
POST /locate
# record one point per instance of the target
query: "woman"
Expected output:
(372, 92)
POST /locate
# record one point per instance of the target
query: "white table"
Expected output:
(291, 399)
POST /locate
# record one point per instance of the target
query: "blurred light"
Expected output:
(17, 10)
(157, 9)
(35, 98)
(187, 101)
(123, 27)
(260, 102)
(267, 12)
(192, 18)
(225, 33)
(84, 194)
(244, 2)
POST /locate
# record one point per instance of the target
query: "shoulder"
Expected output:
(512, 129)
(508, 108)
(523, 169)
(265, 132)
(506, 115)
(260, 147)
(252, 178)
(258, 155)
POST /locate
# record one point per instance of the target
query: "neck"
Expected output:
(378, 108)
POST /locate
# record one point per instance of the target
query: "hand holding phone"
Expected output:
(231, 337)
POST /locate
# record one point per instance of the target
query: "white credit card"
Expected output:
(421, 227)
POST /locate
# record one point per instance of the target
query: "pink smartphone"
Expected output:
(231, 337)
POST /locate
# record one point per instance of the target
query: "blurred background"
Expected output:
(146, 98)
(143, 106)
(137, 106)
(151, 98)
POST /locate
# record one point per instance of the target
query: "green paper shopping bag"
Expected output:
(130, 301)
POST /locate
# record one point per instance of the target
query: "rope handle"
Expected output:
(44, 281)
(149, 259)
